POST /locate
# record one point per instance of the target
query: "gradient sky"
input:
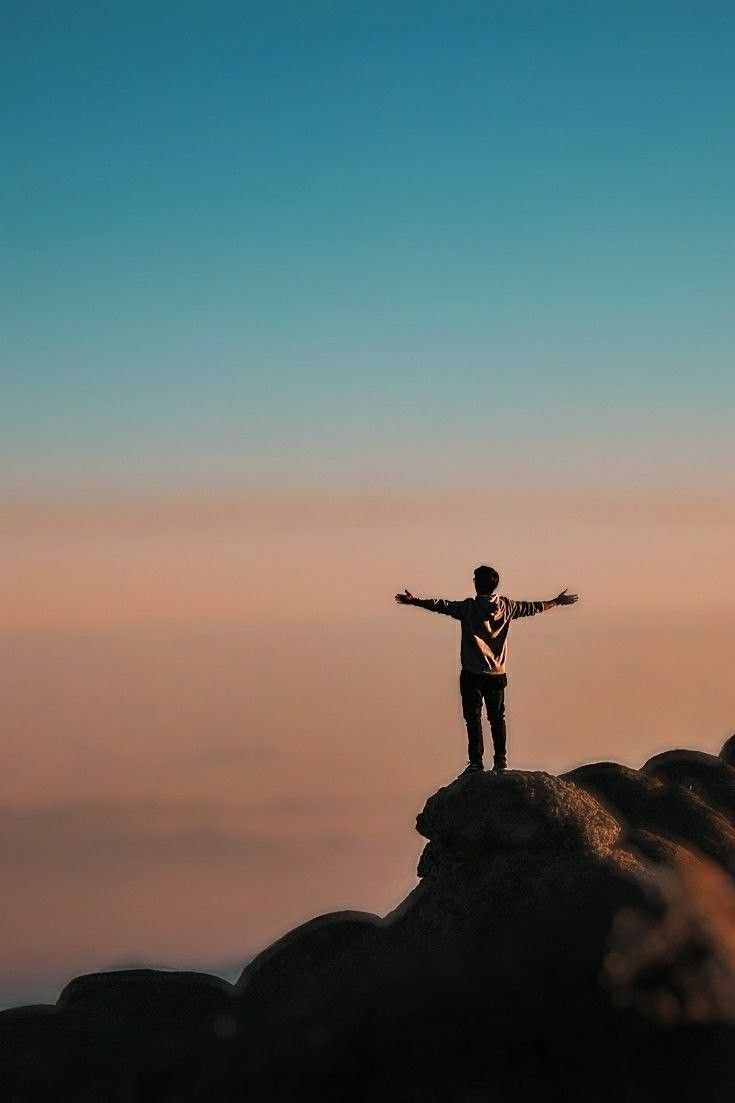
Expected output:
(305, 302)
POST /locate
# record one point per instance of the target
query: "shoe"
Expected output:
(473, 768)
(500, 767)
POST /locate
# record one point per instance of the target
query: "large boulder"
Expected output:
(707, 775)
(651, 805)
(161, 995)
(334, 939)
(515, 811)
(135, 1034)
(305, 997)
(618, 787)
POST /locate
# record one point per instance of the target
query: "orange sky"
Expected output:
(217, 723)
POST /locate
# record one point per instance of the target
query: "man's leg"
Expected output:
(495, 705)
(471, 695)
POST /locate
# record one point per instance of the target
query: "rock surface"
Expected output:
(705, 774)
(570, 938)
(667, 811)
(517, 811)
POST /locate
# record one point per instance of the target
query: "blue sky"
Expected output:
(308, 242)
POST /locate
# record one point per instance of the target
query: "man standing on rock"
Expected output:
(485, 621)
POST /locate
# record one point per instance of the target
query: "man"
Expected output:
(485, 621)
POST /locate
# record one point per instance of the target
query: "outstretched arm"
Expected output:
(561, 599)
(529, 608)
(433, 604)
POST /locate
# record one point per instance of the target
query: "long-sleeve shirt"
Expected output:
(485, 623)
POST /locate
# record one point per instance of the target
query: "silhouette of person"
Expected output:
(485, 621)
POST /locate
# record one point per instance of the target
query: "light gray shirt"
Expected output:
(485, 622)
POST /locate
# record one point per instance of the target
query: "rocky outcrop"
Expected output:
(660, 816)
(515, 812)
(569, 938)
(705, 774)
(135, 1034)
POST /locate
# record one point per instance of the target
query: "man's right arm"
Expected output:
(433, 604)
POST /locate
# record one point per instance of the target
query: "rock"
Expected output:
(618, 787)
(111, 1032)
(706, 774)
(657, 848)
(136, 994)
(304, 997)
(727, 754)
(515, 811)
(303, 952)
(653, 805)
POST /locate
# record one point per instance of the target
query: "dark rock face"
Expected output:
(133, 1034)
(705, 774)
(570, 938)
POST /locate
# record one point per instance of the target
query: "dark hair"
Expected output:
(486, 578)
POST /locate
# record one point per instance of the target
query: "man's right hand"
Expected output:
(405, 598)
(566, 599)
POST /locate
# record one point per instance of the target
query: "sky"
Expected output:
(304, 303)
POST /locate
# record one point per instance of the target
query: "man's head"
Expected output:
(486, 580)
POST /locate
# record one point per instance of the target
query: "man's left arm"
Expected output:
(530, 608)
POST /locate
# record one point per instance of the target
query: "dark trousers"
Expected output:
(474, 689)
